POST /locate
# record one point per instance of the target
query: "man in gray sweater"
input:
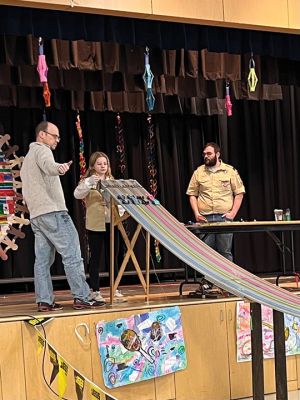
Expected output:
(52, 226)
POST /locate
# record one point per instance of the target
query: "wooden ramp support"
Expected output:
(117, 221)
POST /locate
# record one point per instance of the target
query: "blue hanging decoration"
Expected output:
(148, 80)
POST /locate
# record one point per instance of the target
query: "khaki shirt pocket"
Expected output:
(225, 185)
(204, 185)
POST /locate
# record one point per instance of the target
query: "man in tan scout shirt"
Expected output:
(216, 193)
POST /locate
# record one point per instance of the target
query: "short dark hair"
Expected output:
(215, 146)
(42, 126)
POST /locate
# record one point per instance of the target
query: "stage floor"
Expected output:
(18, 306)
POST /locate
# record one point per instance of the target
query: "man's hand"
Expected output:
(230, 215)
(200, 218)
(63, 168)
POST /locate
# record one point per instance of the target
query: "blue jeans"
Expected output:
(56, 232)
(221, 242)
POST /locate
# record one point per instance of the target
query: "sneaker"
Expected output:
(44, 307)
(119, 297)
(98, 296)
(91, 295)
(95, 295)
(80, 304)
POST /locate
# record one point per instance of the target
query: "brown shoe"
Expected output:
(44, 307)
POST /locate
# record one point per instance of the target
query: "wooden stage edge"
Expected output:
(20, 307)
(209, 328)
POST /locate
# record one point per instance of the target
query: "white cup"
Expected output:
(278, 214)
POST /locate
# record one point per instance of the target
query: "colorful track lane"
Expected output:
(186, 246)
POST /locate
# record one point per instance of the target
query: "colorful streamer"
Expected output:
(82, 163)
(120, 140)
(152, 171)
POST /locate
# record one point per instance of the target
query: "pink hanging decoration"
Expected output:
(42, 69)
(228, 104)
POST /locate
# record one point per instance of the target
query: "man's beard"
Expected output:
(210, 162)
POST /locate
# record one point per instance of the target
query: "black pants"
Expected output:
(100, 255)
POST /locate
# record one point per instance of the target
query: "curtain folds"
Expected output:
(103, 76)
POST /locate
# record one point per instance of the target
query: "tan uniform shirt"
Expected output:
(215, 190)
(95, 204)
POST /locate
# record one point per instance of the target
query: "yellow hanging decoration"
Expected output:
(252, 77)
(40, 342)
(62, 376)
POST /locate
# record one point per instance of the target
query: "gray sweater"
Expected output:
(41, 186)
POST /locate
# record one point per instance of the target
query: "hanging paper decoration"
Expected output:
(228, 104)
(42, 69)
(63, 370)
(120, 140)
(82, 163)
(79, 384)
(12, 207)
(54, 361)
(148, 80)
(152, 171)
(122, 164)
(82, 171)
(252, 77)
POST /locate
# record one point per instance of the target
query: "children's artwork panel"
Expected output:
(291, 332)
(142, 346)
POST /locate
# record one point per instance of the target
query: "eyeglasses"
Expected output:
(57, 137)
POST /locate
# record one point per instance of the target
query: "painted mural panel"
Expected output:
(141, 347)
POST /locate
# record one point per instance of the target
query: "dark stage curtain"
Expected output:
(263, 143)
(154, 34)
(261, 140)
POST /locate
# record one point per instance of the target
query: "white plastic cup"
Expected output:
(278, 214)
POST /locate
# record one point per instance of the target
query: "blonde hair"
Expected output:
(92, 161)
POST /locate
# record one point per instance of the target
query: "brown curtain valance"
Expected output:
(108, 76)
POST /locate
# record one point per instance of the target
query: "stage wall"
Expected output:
(210, 337)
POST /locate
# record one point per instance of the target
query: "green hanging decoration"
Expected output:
(252, 77)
